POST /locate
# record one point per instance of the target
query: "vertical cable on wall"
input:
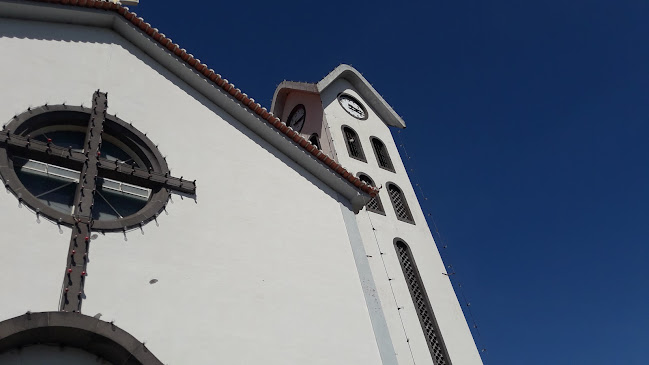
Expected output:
(442, 244)
(394, 296)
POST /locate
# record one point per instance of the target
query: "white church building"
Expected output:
(152, 213)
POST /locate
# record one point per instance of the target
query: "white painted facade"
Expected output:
(394, 293)
(260, 260)
(379, 231)
(268, 263)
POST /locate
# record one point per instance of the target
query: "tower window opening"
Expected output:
(315, 140)
(375, 204)
(353, 144)
(399, 203)
(422, 305)
(382, 155)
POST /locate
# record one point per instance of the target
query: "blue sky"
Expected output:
(528, 130)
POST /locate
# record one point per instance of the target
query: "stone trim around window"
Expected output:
(90, 334)
(77, 115)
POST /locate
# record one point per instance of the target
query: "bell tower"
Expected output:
(420, 319)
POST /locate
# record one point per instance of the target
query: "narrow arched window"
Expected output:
(381, 154)
(373, 205)
(353, 144)
(422, 304)
(399, 203)
(315, 140)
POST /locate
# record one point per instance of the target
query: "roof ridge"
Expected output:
(224, 84)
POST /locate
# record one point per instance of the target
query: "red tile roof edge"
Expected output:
(222, 83)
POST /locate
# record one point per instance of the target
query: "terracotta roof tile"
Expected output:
(222, 83)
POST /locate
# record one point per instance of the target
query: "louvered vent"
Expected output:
(382, 155)
(399, 203)
(373, 205)
(424, 310)
(353, 144)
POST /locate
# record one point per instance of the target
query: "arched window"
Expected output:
(422, 304)
(381, 154)
(315, 140)
(373, 205)
(353, 144)
(399, 203)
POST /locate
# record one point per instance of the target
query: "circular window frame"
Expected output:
(349, 96)
(89, 334)
(136, 142)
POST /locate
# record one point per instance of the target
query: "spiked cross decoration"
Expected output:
(91, 167)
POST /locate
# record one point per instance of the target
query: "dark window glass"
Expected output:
(353, 144)
(399, 203)
(56, 186)
(382, 155)
(375, 204)
(54, 190)
(117, 200)
(315, 140)
(422, 305)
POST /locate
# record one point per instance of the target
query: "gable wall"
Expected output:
(257, 269)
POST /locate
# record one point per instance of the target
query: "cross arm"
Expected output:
(68, 158)
(43, 151)
(138, 176)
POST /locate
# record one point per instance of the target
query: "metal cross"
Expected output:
(91, 166)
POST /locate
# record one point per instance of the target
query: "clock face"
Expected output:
(296, 118)
(352, 106)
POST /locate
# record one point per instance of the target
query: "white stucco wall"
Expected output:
(394, 293)
(257, 269)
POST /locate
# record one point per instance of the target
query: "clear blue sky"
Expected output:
(528, 127)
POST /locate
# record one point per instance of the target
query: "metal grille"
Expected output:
(373, 205)
(399, 203)
(382, 154)
(422, 305)
(353, 144)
